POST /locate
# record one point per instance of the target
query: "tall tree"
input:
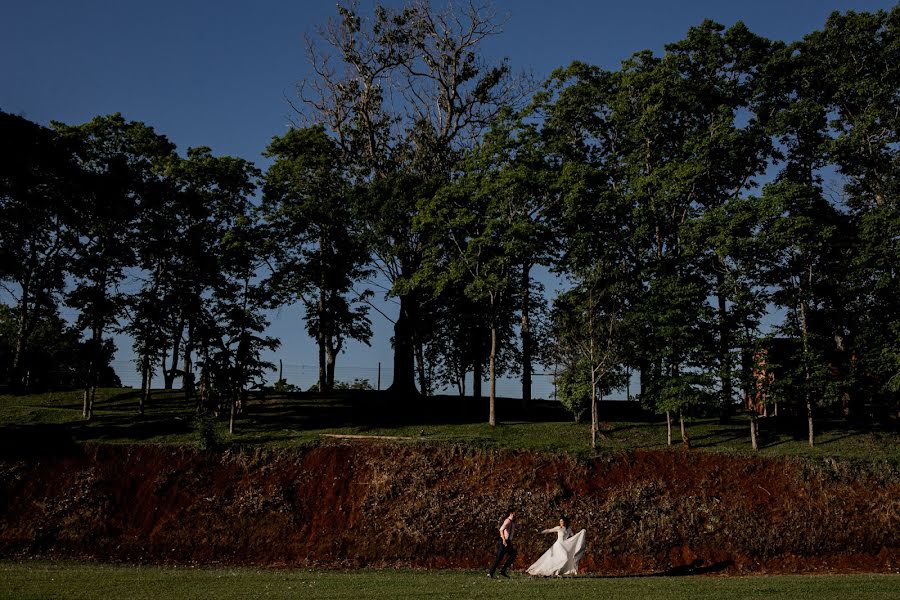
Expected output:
(317, 243)
(409, 91)
(226, 303)
(149, 310)
(594, 221)
(116, 158)
(725, 148)
(802, 227)
(855, 59)
(475, 240)
(38, 184)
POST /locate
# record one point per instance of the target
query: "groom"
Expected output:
(505, 544)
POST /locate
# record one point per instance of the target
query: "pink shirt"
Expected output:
(509, 528)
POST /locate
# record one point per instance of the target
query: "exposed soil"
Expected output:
(372, 504)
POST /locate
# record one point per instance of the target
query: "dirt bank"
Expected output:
(363, 503)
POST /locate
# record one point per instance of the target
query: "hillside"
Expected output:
(49, 421)
(437, 506)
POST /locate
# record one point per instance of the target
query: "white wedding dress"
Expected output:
(563, 556)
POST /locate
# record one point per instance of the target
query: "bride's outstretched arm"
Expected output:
(551, 530)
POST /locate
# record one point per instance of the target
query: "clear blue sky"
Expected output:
(216, 73)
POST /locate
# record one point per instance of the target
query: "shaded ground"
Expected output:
(42, 580)
(437, 506)
(51, 422)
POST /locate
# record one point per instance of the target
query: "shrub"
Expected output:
(208, 436)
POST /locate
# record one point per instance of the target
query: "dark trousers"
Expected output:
(508, 550)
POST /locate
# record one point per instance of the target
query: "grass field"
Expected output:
(280, 421)
(86, 581)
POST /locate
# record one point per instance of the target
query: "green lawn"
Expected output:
(72, 580)
(278, 421)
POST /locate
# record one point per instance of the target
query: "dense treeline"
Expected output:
(725, 216)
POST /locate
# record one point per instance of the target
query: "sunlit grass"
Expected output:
(88, 581)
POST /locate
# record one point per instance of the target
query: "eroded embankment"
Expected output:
(438, 506)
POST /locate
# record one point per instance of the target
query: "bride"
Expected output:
(563, 556)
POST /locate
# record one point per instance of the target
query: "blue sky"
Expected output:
(216, 74)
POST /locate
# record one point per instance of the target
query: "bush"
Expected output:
(282, 386)
(208, 437)
(356, 384)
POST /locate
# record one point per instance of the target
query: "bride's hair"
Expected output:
(565, 520)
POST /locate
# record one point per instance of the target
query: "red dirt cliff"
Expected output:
(437, 506)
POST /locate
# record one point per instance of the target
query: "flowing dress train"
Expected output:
(563, 556)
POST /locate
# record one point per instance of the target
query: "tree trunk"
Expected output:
(170, 374)
(753, 430)
(90, 388)
(725, 403)
(424, 386)
(685, 441)
(642, 379)
(321, 338)
(669, 428)
(331, 355)
(809, 421)
(86, 401)
(203, 401)
(594, 423)
(233, 412)
(595, 418)
(242, 389)
(93, 398)
(526, 335)
(492, 417)
(188, 381)
(748, 383)
(806, 373)
(477, 365)
(404, 383)
(15, 375)
(145, 382)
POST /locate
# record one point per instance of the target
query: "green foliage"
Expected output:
(357, 384)
(208, 436)
(316, 240)
(573, 389)
(282, 386)
(39, 182)
(684, 393)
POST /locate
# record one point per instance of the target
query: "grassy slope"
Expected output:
(279, 421)
(73, 580)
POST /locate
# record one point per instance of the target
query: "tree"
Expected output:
(593, 220)
(149, 311)
(588, 329)
(408, 93)
(317, 243)
(37, 185)
(54, 356)
(238, 299)
(731, 236)
(116, 159)
(471, 245)
(725, 148)
(227, 297)
(854, 60)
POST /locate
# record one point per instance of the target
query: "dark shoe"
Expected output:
(505, 574)
(491, 575)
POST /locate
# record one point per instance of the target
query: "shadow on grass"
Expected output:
(698, 567)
